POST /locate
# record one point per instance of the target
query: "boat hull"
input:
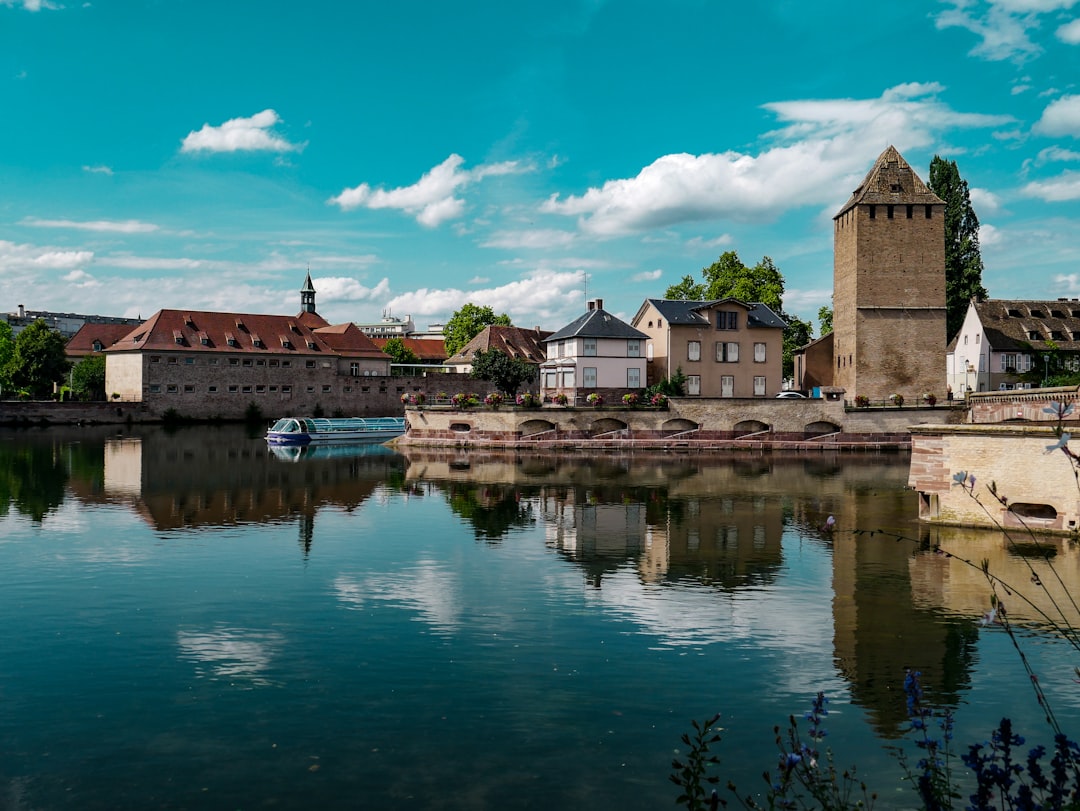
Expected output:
(319, 431)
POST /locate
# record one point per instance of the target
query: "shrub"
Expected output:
(494, 399)
(897, 399)
(560, 399)
(528, 400)
(630, 399)
(460, 400)
(930, 399)
(861, 401)
(659, 399)
(406, 398)
(595, 399)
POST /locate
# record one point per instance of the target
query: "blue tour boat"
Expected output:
(306, 430)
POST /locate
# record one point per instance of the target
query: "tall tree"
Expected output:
(467, 323)
(38, 361)
(963, 261)
(824, 317)
(88, 378)
(507, 373)
(400, 353)
(7, 349)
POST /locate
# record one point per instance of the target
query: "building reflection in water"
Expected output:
(698, 522)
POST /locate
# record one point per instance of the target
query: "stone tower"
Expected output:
(307, 296)
(889, 286)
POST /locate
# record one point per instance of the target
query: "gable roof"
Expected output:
(1009, 324)
(198, 331)
(596, 323)
(891, 180)
(515, 342)
(695, 313)
(426, 350)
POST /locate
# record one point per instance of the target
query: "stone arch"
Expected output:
(820, 428)
(460, 427)
(744, 427)
(530, 427)
(606, 425)
(678, 426)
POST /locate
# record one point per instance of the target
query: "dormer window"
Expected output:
(204, 339)
(1037, 314)
(294, 328)
(188, 322)
(285, 342)
(1014, 313)
(98, 346)
(240, 325)
(1033, 335)
(311, 345)
(257, 341)
(1057, 314)
(230, 339)
(178, 336)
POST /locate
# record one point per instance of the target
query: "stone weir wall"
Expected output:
(47, 412)
(687, 423)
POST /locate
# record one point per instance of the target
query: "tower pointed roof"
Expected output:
(891, 181)
(308, 286)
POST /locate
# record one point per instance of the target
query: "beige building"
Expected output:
(206, 364)
(726, 348)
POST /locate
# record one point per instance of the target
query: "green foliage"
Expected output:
(7, 349)
(253, 414)
(797, 334)
(467, 323)
(88, 378)
(963, 260)
(38, 361)
(728, 277)
(399, 353)
(674, 386)
(824, 317)
(508, 374)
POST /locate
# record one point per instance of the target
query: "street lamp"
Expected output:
(1046, 370)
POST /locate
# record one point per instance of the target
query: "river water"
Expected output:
(191, 621)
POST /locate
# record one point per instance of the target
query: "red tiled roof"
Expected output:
(82, 342)
(195, 331)
(516, 342)
(427, 350)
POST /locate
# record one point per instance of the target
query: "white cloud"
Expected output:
(1056, 153)
(984, 201)
(344, 288)
(81, 279)
(63, 259)
(539, 238)
(98, 170)
(1069, 33)
(547, 293)
(479, 280)
(30, 5)
(252, 134)
(113, 226)
(431, 199)
(989, 235)
(1061, 117)
(647, 276)
(1002, 26)
(718, 242)
(830, 143)
(1065, 186)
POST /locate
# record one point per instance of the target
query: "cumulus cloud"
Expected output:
(1061, 117)
(113, 226)
(548, 294)
(29, 5)
(254, 134)
(98, 170)
(1002, 26)
(984, 201)
(989, 235)
(822, 144)
(81, 279)
(1069, 33)
(717, 242)
(432, 198)
(1056, 153)
(1065, 186)
(647, 276)
(63, 259)
(344, 288)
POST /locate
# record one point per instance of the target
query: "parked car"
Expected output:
(790, 395)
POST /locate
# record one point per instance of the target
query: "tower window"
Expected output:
(889, 211)
(873, 212)
(910, 212)
(929, 211)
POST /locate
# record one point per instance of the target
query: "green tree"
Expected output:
(963, 261)
(7, 349)
(824, 317)
(38, 362)
(399, 353)
(797, 334)
(467, 323)
(88, 378)
(507, 373)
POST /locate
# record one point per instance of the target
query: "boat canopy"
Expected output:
(320, 425)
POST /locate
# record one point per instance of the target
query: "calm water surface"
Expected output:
(190, 621)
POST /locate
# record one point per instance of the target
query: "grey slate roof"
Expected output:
(596, 323)
(891, 180)
(690, 312)
(1009, 324)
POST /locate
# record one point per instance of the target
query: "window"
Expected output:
(633, 348)
(259, 389)
(310, 389)
(727, 320)
(247, 361)
(965, 340)
(873, 212)
(247, 389)
(233, 389)
(568, 379)
(588, 377)
(978, 335)
(1008, 362)
(234, 361)
(326, 389)
(727, 352)
(693, 385)
(154, 388)
(172, 360)
(213, 361)
(759, 385)
(171, 388)
(285, 364)
(928, 211)
(155, 358)
(910, 212)
(693, 350)
(189, 361)
(273, 364)
(633, 378)
(260, 362)
(649, 351)
(590, 347)
(889, 211)
(286, 389)
(211, 389)
(310, 364)
(354, 369)
(727, 386)
(273, 388)
(549, 380)
(189, 389)
(759, 352)
(1033, 334)
(1037, 314)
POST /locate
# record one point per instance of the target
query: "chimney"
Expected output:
(592, 306)
(599, 304)
(22, 311)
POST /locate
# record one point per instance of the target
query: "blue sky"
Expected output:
(527, 155)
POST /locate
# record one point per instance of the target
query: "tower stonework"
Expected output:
(889, 286)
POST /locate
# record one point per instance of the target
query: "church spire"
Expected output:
(307, 295)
